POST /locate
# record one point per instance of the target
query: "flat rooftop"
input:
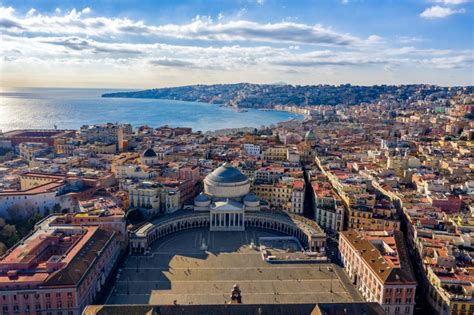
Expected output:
(178, 269)
(39, 256)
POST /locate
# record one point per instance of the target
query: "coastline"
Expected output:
(71, 108)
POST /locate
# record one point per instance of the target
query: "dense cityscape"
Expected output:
(366, 208)
(238, 157)
(268, 95)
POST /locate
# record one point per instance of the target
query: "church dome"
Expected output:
(227, 174)
(149, 153)
(202, 200)
(251, 197)
(226, 182)
(202, 197)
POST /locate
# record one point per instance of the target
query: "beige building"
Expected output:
(276, 153)
(287, 194)
(365, 218)
(170, 199)
(145, 195)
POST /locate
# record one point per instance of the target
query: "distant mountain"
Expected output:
(268, 95)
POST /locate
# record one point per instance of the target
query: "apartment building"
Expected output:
(378, 263)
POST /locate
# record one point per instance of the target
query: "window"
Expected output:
(47, 295)
(407, 309)
(58, 294)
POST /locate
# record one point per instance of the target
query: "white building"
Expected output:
(297, 197)
(253, 149)
(133, 171)
(226, 196)
(328, 210)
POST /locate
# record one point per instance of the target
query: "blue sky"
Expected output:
(165, 43)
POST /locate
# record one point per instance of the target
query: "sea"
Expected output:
(64, 108)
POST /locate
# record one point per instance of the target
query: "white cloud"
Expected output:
(86, 10)
(451, 2)
(410, 39)
(31, 12)
(437, 12)
(200, 28)
(71, 40)
(6, 12)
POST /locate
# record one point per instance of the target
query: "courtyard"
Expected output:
(200, 267)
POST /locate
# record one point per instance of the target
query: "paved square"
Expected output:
(177, 269)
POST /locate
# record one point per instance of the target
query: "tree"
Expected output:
(3, 248)
(56, 208)
(9, 235)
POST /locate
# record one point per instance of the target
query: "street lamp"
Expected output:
(330, 270)
(128, 286)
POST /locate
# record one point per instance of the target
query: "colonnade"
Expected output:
(312, 240)
(227, 221)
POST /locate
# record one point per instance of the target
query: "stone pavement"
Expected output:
(178, 270)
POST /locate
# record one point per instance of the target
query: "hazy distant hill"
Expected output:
(268, 95)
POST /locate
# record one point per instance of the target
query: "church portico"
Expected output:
(227, 215)
(227, 221)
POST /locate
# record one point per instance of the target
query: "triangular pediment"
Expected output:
(228, 205)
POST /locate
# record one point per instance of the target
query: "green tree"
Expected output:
(3, 248)
(57, 208)
(9, 235)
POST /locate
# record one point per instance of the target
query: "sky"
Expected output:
(148, 44)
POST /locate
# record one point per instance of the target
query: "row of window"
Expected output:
(397, 310)
(398, 301)
(37, 296)
(37, 308)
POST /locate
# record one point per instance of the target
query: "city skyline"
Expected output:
(119, 45)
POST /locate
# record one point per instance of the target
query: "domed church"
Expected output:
(149, 157)
(226, 196)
